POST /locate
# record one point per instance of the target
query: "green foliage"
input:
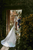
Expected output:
(25, 5)
(26, 41)
(3, 23)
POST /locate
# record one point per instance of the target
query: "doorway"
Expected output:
(10, 15)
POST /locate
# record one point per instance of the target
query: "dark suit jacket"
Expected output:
(19, 21)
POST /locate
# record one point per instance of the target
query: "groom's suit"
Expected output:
(19, 21)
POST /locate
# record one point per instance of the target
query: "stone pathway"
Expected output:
(4, 48)
(7, 48)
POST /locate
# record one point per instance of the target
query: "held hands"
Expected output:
(18, 26)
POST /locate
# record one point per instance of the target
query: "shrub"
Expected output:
(27, 33)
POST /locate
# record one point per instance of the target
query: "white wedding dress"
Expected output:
(10, 40)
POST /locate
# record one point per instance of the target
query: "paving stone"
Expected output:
(4, 48)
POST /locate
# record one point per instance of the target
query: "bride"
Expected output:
(10, 40)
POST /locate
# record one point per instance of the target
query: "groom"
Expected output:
(19, 21)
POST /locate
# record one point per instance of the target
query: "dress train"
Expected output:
(10, 40)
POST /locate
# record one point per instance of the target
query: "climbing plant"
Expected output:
(26, 41)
